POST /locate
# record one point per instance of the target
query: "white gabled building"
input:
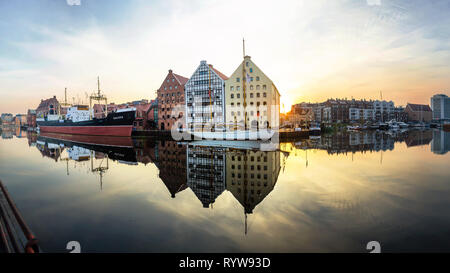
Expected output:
(205, 100)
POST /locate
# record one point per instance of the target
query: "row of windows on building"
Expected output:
(258, 87)
(168, 94)
(251, 199)
(245, 78)
(173, 101)
(252, 175)
(252, 183)
(252, 167)
(238, 113)
(251, 103)
(258, 95)
(170, 87)
(252, 158)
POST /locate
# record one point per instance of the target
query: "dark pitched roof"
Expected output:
(180, 78)
(419, 107)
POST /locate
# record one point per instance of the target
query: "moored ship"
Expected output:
(119, 123)
(80, 120)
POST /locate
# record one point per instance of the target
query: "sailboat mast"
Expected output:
(98, 85)
(209, 92)
(243, 84)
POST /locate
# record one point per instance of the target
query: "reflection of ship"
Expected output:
(84, 148)
(16, 236)
(120, 150)
(126, 142)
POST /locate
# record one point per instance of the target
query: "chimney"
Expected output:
(170, 71)
(54, 97)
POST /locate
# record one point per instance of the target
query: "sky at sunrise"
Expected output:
(312, 50)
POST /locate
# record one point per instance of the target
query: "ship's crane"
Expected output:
(97, 97)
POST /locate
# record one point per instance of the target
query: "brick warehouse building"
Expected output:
(170, 98)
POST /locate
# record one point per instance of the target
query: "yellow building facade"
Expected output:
(261, 102)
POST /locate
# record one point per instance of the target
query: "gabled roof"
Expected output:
(182, 80)
(248, 59)
(419, 107)
(143, 107)
(220, 74)
(45, 104)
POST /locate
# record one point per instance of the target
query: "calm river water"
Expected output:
(332, 194)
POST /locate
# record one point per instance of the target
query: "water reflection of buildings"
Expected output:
(418, 137)
(367, 141)
(441, 142)
(251, 175)
(206, 172)
(9, 131)
(172, 166)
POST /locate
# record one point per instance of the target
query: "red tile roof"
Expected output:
(143, 107)
(181, 79)
(219, 73)
(46, 103)
(419, 107)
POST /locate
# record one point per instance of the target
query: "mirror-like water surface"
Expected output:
(330, 194)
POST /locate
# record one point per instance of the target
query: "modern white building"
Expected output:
(383, 109)
(357, 114)
(440, 104)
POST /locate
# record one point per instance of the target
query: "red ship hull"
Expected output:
(119, 130)
(92, 140)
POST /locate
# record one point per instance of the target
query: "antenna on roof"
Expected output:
(243, 47)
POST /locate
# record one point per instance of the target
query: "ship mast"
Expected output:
(209, 92)
(243, 85)
(64, 104)
(97, 97)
